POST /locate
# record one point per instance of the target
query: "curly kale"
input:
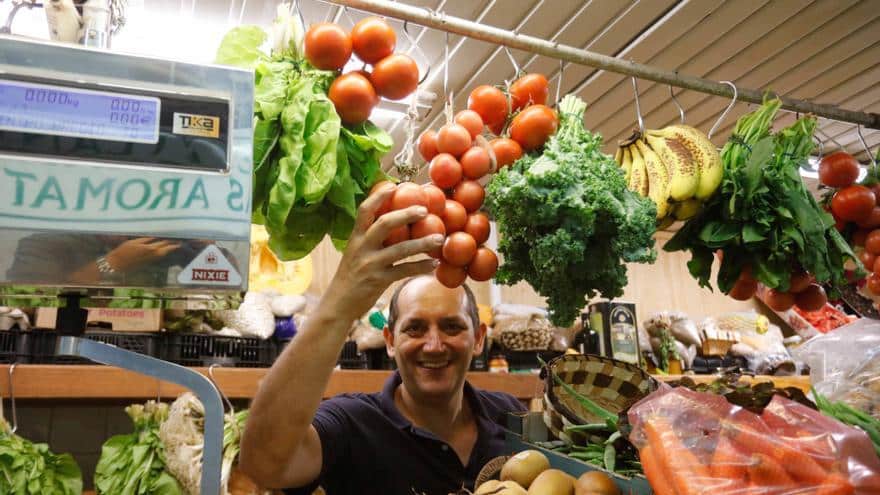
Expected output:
(567, 222)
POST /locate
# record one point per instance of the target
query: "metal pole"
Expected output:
(490, 34)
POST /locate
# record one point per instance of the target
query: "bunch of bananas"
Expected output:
(677, 167)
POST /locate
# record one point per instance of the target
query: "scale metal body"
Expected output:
(104, 153)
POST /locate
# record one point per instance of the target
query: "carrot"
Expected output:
(687, 473)
(836, 484)
(655, 473)
(801, 466)
(727, 461)
(769, 474)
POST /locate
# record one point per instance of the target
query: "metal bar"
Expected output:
(203, 387)
(490, 34)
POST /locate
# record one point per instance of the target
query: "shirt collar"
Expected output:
(386, 401)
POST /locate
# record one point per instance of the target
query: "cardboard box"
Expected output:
(119, 319)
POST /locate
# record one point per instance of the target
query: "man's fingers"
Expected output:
(167, 249)
(402, 250)
(391, 220)
(411, 269)
(369, 207)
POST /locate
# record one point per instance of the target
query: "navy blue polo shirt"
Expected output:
(369, 447)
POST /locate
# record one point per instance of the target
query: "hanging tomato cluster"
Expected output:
(525, 116)
(856, 210)
(354, 94)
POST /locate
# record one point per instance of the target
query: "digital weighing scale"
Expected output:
(105, 158)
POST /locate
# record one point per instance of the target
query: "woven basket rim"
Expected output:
(564, 410)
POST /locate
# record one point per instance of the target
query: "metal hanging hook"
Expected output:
(516, 68)
(677, 104)
(638, 106)
(726, 110)
(820, 144)
(865, 145)
(448, 104)
(559, 81)
(413, 44)
(222, 395)
(12, 398)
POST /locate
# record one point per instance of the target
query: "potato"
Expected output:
(595, 483)
(552, 482)
(524, 467)
(495, 487)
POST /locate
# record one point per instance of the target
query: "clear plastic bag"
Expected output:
(698, 443)
(754, 338)
(524, 333)
(845, 364)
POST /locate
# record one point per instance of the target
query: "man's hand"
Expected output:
(367, 268)
(136, 252)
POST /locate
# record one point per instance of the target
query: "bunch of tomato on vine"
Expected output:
(856, 209)
(354, 94)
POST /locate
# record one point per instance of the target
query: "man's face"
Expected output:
(433, 339)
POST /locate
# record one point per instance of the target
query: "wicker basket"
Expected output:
(491, 471)
(614, 385)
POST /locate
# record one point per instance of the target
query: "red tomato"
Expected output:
(453, 139)
(408, 194)
(799, 281)
(470, 194)
(506, 151)
(475, 162)
(743, 289)
(778, 300)
(471, 121)
(839, 224)
(436, 199)
(445, 171)
(386, 206)
(431, 224)
(867, 259)
(873, 267)
(530, 89)
(478, 227)
(484, 265)
(745, 274)
(838, 169)
(459, 249)
(873, 284)
(490, 103)
(853, 204)
(872, 243)
(353, 96)
(859, 237)
(450, 275)
(873, 220)
(813, 298)
(428, 145)
(876, 190)
(533, 126)
(373, 39)
(327, 46)
(398, 234)
(455, 216)
(498, 128)
(395, 76)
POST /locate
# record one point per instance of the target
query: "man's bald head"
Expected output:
(427, 282)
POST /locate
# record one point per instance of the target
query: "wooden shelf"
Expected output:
(36, 381)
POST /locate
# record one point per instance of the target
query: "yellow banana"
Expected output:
(638, 177)
(683, 173)
(705, 155)
(625, 162)
(658, 178)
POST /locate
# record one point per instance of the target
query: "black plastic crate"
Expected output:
(15, 347)
(44, 343)
(199, 349)
(528, 360)
(377, 359)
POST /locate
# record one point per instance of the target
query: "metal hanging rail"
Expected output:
(443, 22)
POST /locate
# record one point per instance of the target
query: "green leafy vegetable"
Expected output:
(310, 173)
(567, 222)
(31, 469)
(763, 216)
(134, 464)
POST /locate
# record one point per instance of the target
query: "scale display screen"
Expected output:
(80, 113)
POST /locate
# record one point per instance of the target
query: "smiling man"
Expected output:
(428, 431)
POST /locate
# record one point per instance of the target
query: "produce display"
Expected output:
(135, 463)
(677, 167)
(767, 227)
(529, 473)
(310, 171)
(566, 220)
(28, 468)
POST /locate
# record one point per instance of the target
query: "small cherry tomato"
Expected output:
(484, 265)
(398, 234)
(459, 249)
(778, 300)
(471, 121)
(455, 216)
(812, 298)
(450, 275)
(428, 145)
(436, 199)
(453, 139)
(478, 226)
(475, 163)
(470, 194)
(431, 224)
